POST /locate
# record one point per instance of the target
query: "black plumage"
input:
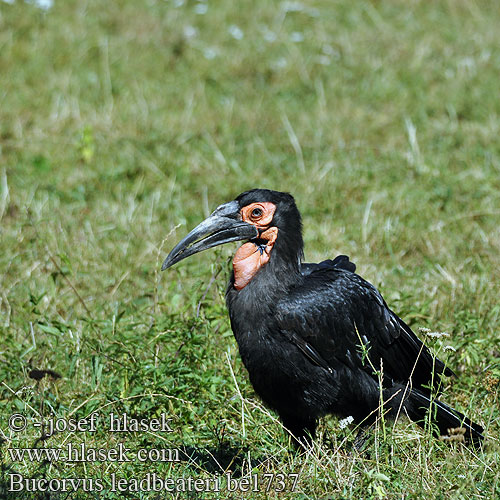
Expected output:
(318, 338)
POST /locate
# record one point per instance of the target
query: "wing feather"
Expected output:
(335, 316)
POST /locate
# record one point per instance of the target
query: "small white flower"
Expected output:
(437, 335)
(42, 4)
(346, 421)
(292, 6)
(269, 36)
(467, 63)
(201, 8)
(235, 32)
(190, 31)
(210, 53)
(331, 51)
(485, 55)
(449, 348)
(45, 4)
(280, 63)
(296, 37)
(324, 60)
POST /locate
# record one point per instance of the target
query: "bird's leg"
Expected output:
(302, 430)
(361, 438)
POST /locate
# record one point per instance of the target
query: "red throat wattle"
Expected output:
(249, 258)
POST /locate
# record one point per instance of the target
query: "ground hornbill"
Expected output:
(317, 338)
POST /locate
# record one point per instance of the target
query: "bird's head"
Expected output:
(269, 220)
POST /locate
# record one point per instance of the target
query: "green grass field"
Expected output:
(123, 124)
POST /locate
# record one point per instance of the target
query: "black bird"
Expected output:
(317, 338)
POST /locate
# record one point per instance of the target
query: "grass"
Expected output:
(123, 124)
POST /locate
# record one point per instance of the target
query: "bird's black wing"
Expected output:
(340, 262)
(335, 316)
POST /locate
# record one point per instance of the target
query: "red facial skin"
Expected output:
(249, 259)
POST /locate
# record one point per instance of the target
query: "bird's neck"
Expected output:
(275, 255)
(252, 256)
(269, 281)
(252, 308)
(280, 272)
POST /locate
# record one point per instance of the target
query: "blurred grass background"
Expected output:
(123, 124)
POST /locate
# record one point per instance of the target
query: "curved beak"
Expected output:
(221, 227)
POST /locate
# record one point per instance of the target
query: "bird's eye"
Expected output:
(256, 213)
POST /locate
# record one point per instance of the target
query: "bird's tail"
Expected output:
(447, 423)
